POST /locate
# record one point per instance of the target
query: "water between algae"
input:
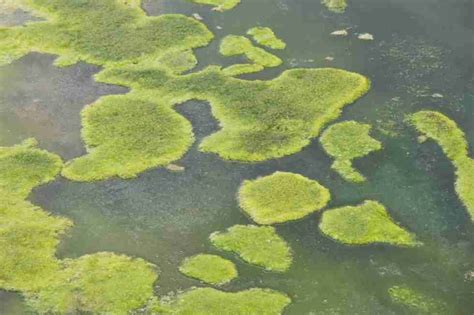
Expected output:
(421, 47)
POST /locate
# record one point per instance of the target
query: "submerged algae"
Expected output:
(338, 6)
(364, 224)
(212, 269)
(414, 300)
(452, 140)
(281, 197)
(258, 245)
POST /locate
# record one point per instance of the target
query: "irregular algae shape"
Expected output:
(266, 37)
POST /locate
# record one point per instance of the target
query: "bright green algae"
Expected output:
(211, 269)
(208, 301)
(219, 5)
(266, 37)
(281, 197)
(453, 142)
(243, 68)
(346, 141)
(364, 224)
(234, 45)
(416, 301)
(258, 245)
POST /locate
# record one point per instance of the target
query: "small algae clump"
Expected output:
(452, 140)
(125, 136)
(347, 141)
(265, 37)
(364, 224)
(208, 301)
(239, 69)
(258, 245)
(101, 283)
(219, 5)
(23, 167)
(281, 197)
(209, 268)
(233, 45)
(338, 6)
(415, 301)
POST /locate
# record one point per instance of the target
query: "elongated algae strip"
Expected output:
(219, 5)
(266, 37)
(453, 142)
(416, 301)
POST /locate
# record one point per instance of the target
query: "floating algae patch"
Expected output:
(281, 197)
(211, 269)
(101, 283)
(239, 69)
(364, 224)
(452, 140)
(233, 45)
(210, 301)
(260, 120)
(126, 135)
(266, 37)
(219, 5)
(23, 167)
(415, 301)
(347, 141)
(338, 6)
(100, 32)
(258, 245)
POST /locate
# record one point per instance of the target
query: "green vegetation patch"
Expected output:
(219, 5)
(212, 269)
(102, 283)
(452, 140)
(239, 69)
(210, 301)
(337, 6)
(258, 245)
(346, 141)
(281, 197)
(100, 32)
(364, 224)
(266, 37)
(125, 136)
(233, 45)
(414, 300)
(178, 62)
(23, 167)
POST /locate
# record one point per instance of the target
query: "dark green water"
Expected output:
(421, 47)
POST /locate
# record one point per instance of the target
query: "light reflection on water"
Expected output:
(165, 217)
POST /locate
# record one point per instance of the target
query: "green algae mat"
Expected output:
(236, 157)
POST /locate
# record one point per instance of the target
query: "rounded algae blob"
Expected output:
(364, 224)
(209, 268)
(281, 197)
(258, 245)
(346, 141)
(210, 301)
(101, 283)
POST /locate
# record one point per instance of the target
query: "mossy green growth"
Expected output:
(239, 69)
(364, 224)
(266, 37)
(219, 5)
(414, 300)
(101, 283)
(23, 167)
(281, 197)
(178, 62)
(337, 6)
(208, 301)
(346, 141)
(233, 45)
(211, 269)
(100, 32)
(258, 245)
(452, 140)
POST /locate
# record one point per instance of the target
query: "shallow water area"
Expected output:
(421, 48)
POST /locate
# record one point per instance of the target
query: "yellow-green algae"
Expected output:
(100, 32)
(219, 5)
(346, 141)
(211, 269)
(266, 37)
(208, 301)
(338, 6)
(258, 245)
(417, 302)
(452, 140)
(281, 197)
(234, 45)
(364, 224)
(243, 68)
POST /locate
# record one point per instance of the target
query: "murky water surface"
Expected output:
(421, 47)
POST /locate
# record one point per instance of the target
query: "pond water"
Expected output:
(421, 47)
